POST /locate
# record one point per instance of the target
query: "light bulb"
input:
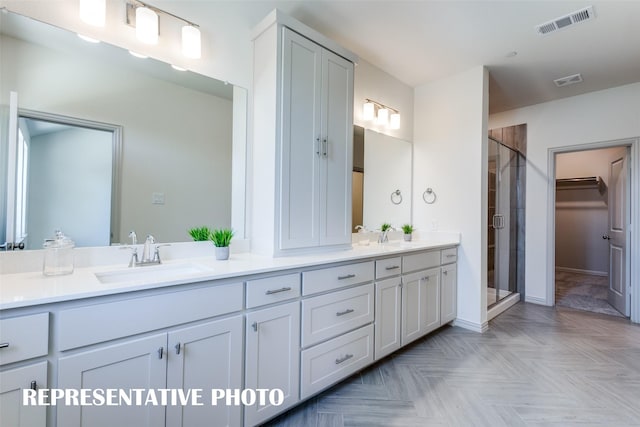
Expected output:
(394, 121)
(93, 12)
(146, 25)
(191, 42)
(383, 116)
(368, 111)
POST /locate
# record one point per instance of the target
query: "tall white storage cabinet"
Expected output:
(302, 139)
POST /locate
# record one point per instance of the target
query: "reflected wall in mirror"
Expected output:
(382, 166)
(177, 130)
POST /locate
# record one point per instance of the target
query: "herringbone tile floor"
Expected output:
(536, 366)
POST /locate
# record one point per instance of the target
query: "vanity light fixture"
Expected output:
(146, 20)
(93, 12)
(383, 114)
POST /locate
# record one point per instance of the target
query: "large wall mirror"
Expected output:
(381, 180)
(106, 142)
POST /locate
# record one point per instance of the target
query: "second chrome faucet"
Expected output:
(147, 258)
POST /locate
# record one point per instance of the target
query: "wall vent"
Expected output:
(556, 24)
(568, 80)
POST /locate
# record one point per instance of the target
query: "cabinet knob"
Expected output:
(178, 348)
(160, 352)
(445, 272)
(34, 385)
(254, 325)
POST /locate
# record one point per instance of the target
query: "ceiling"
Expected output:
(422, 41)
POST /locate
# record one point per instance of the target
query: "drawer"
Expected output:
(272, 289)
(103, 322)
(327, 316)
(420, 261)
(336, 277)
(24, 337)
(449, 256)
(388, 267)
(332, 361)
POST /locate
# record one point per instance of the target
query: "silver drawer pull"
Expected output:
(425, 278)
(344, 359)
(451, 256)
(392, 267)
(276, 291)
(347, 311)
(445, 272)
(348, 276)
(4, 345)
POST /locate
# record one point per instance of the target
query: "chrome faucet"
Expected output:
(146, 251)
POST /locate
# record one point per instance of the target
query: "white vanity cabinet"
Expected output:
(420, 304)
(303, 138)
(202, 355)
(272, 357)
(449, 286)
(23, 338)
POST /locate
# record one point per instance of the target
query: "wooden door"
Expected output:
(205, 357)
(272, 358)
(618, 292)
(135, 364)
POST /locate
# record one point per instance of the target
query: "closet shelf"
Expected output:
(586, 183)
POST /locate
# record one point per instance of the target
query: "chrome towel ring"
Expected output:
(396, 197)
(429, 196)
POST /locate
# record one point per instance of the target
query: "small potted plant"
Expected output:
(221, 237)
(200, 234)
(407, 229)
(384, 228)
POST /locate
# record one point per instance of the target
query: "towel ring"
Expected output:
(429, 196)
(396, 197)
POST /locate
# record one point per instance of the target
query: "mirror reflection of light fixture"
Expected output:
(93, 12)
(147, 25)
(191, 43)
(368, 110)
(383, 115)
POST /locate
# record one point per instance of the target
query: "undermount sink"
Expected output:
(151, 273)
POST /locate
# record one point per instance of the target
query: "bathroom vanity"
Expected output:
(300, 324)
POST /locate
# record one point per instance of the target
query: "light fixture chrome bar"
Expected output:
(133, 4)
(381, 105)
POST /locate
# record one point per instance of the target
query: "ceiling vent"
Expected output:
(568, 80)
(576, 17)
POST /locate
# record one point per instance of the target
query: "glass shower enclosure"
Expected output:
(506, 218)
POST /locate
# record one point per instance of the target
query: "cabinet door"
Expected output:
(387, 324)
(301, 142)
(135, 364)
(205, 357)
(337, 150)
(12, 382)
(420, 304)
(272, 357)
(449, 300)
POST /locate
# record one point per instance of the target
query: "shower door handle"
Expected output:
(498, 221)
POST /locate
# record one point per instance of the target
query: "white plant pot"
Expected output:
(222, 253)
(407, 237)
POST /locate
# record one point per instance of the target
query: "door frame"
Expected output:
(634, 199)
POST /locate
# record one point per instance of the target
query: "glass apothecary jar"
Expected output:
(58, 255)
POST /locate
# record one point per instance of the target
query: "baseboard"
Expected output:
(503, 305)
(536, 300)
(582, 271)
(472, 326)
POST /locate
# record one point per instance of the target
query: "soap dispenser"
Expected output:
(58, 255)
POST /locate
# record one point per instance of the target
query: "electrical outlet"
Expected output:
(157, 198)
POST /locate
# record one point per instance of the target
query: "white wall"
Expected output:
(594, 117)
(450, 156)
(176, 141)
(58, 199)
(373, 83)
(582, 214)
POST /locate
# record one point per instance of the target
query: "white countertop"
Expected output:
(29, 289)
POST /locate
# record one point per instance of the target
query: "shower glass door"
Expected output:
(502, 236)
